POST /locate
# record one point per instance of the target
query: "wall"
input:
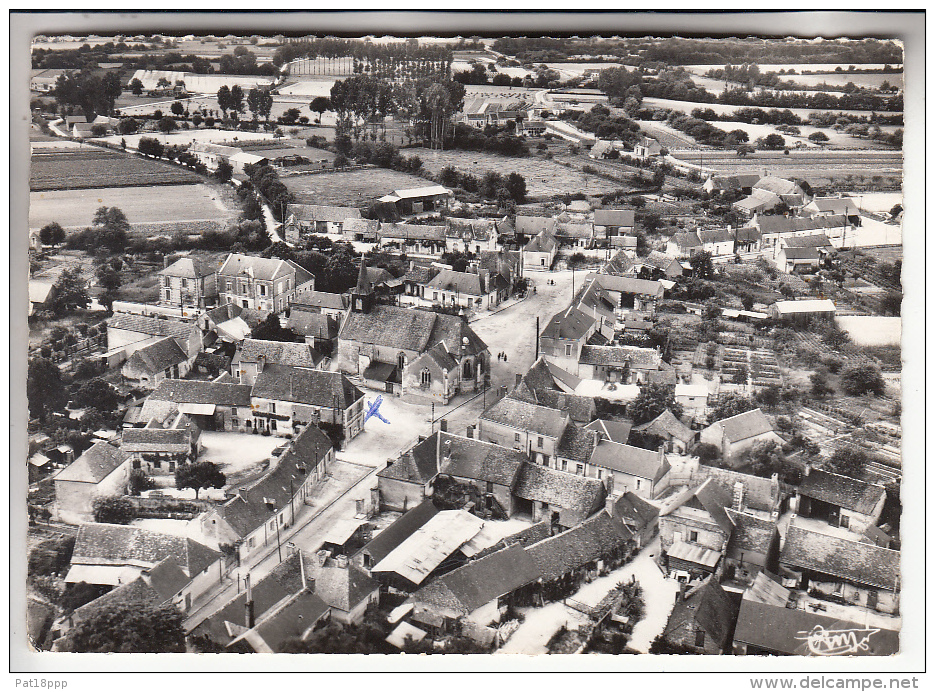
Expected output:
(710, 535)
(683, 633)
(73, 498)
(399, 496)
(201, 582)
(505, 436)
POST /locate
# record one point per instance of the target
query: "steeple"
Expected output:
(362, 299)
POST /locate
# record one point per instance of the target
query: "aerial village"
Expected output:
(425, 421)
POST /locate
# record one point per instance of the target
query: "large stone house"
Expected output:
(385, 345)
(529, 428)
(735, 434)
(539, 253)
(253, 355)
(188, 282)
(263, 284)
(102, 470)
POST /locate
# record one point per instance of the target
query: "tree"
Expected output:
(706, 452)
(236, 100)
(45, 391)
(224, 171)
(69, 293)
(818, 137)
(261, 103)
(98, 394)
(766, 458)
(52, 234)
(772, 141)
(113, 509)
(516, 186)
(860, 379)
(731, 404)
(198, 475)
(138, 481)
(847, 461)
(177, 108)
(652, 400)
(892, 302)
(136, 86)
(166, 125)
(113, 228)
(319, 105)
(740, 377)
(702, 267)
(271, 329)
(130, 628)
(51, 557)
(224, 99)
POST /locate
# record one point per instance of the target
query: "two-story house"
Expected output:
(527, 427)
(188, 282)
(694, 528)
(735, 434)
(263, 284)
(564, 337)
(253, 354)
(471, 235)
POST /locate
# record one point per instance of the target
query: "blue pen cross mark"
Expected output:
(373, 409)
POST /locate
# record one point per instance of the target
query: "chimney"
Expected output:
(519, 378)
(738, 499)
(341, 561)
(260, 363)
(470, 432)
(443, 425)
(322, 557)
(165, 261)
(302, 570)
(808, 468)
(248, 605)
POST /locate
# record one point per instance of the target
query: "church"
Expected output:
(422, 356)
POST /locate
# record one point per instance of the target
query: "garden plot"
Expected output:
(91, 167)
(760, 366)
(185, 137)
(543, 178)
(350, 188)
(162, 205)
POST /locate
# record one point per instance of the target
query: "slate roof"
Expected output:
(393, 535)
(686, 240)
(464, 457)
(522, 415)
(531, 534)
(625, 284)
(613, 430)
(113, 544)
(418, 275)
(416, 465)
(467, 588)
(340, 587)
(750, 534)
(620, 355)
(539, 376)
(320, 299)
(854, 561)
(570, 323)
(782, 224)
(291, 620)
(635, 461)
(582, 409)
(533, 225)
(709, 608)
(747, 234)
(155, 440)
(778, 186)
(470, 229)
(97, 462)
(592, 296)
(157, 357)
(836, 205)
(460, 282)
(715, 235)
(315, 212)
(153, 326)
(577, 444)
(574, 230)
(745, 425)
(413, 330)
(189, 268)
(634, 511)
(263, 269)
(614, 217)
(314, 324)
(408, 231)
(298, 355)
(710, 496)
(801, 253)
(559, 489)
(541, 243)
(807, 241)
(366, 227)
(249, 509)
(201, 392)
(784, 630)
(559, 555)
(667, 425)
(563, 376)
(759, 199)
(850, 493)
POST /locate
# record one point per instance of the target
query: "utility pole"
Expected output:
(433, 417)
(537, 337)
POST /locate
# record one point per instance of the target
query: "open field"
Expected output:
(798, 67)
(90, 167)
(801, 162)
(163, 204)
(722, 109)
(543, 178)
(354, 188)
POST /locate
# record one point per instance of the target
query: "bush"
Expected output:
(706, 452)
(861, 379)
(113, 510)
(51, 557)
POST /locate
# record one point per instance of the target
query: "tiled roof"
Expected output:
(782, 224)
(200, 392)
(470, 229)
(709, 496)
(533, 225)
(393, 535)
(836, 205)
(614, 217)
(320, 299)
(843, 491)
(463, 457)
(477, 583)
(559, 489)
(563, 376)
(624, 284)
(807, 241)
(306, 323)
(413, 330)
(667, 425)
(715, 235)
(760, 199)
(577, 444)
(304, 386)
(249, 508)
(570, 323)
(634, 461)
(613, 430)
(417, 465)
(538, 376)
(783, 630)
(460, 282)
(408, 231)
(541, 243)
(293, 619)
(157, 357)
(686, 240)
(298, 355)
(778, 186)
(574, 230)
(155, 440)
(263, 269)
(589, 541)
(748, 234)
(525, 416)
(154, 326)
(582, 409)
(620, 355)
(862, 563)
(809, 253)
(710, 608)
(367, 227)
(112, 544)
(98, 462)
(634, 511)
(750, 534)
(343, 588)
(531, 534)
(189, 268)
(745, 425)
(315, 212)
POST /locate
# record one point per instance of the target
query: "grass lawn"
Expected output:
(161, 204)
(354, 188)
(544, 178)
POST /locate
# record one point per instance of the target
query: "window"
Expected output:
(166, 281)
(693, 536)
(845, 521)
(272, 425)
(579, 469)
(540, 442)
(272, 407)
(262, 289)
(136, 463)
(272, 525)
(515, 437)
(600, 474)
(699, 638)
(639, 483)
(157, 464)
(184, 283)
(168, 294)
(234, 411)
(230, 286)
(426, 377)
(171, 466)
(568, 349)
(468, 370)
(434, 295)
(564, 464)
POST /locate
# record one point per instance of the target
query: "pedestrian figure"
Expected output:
(504, 358)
